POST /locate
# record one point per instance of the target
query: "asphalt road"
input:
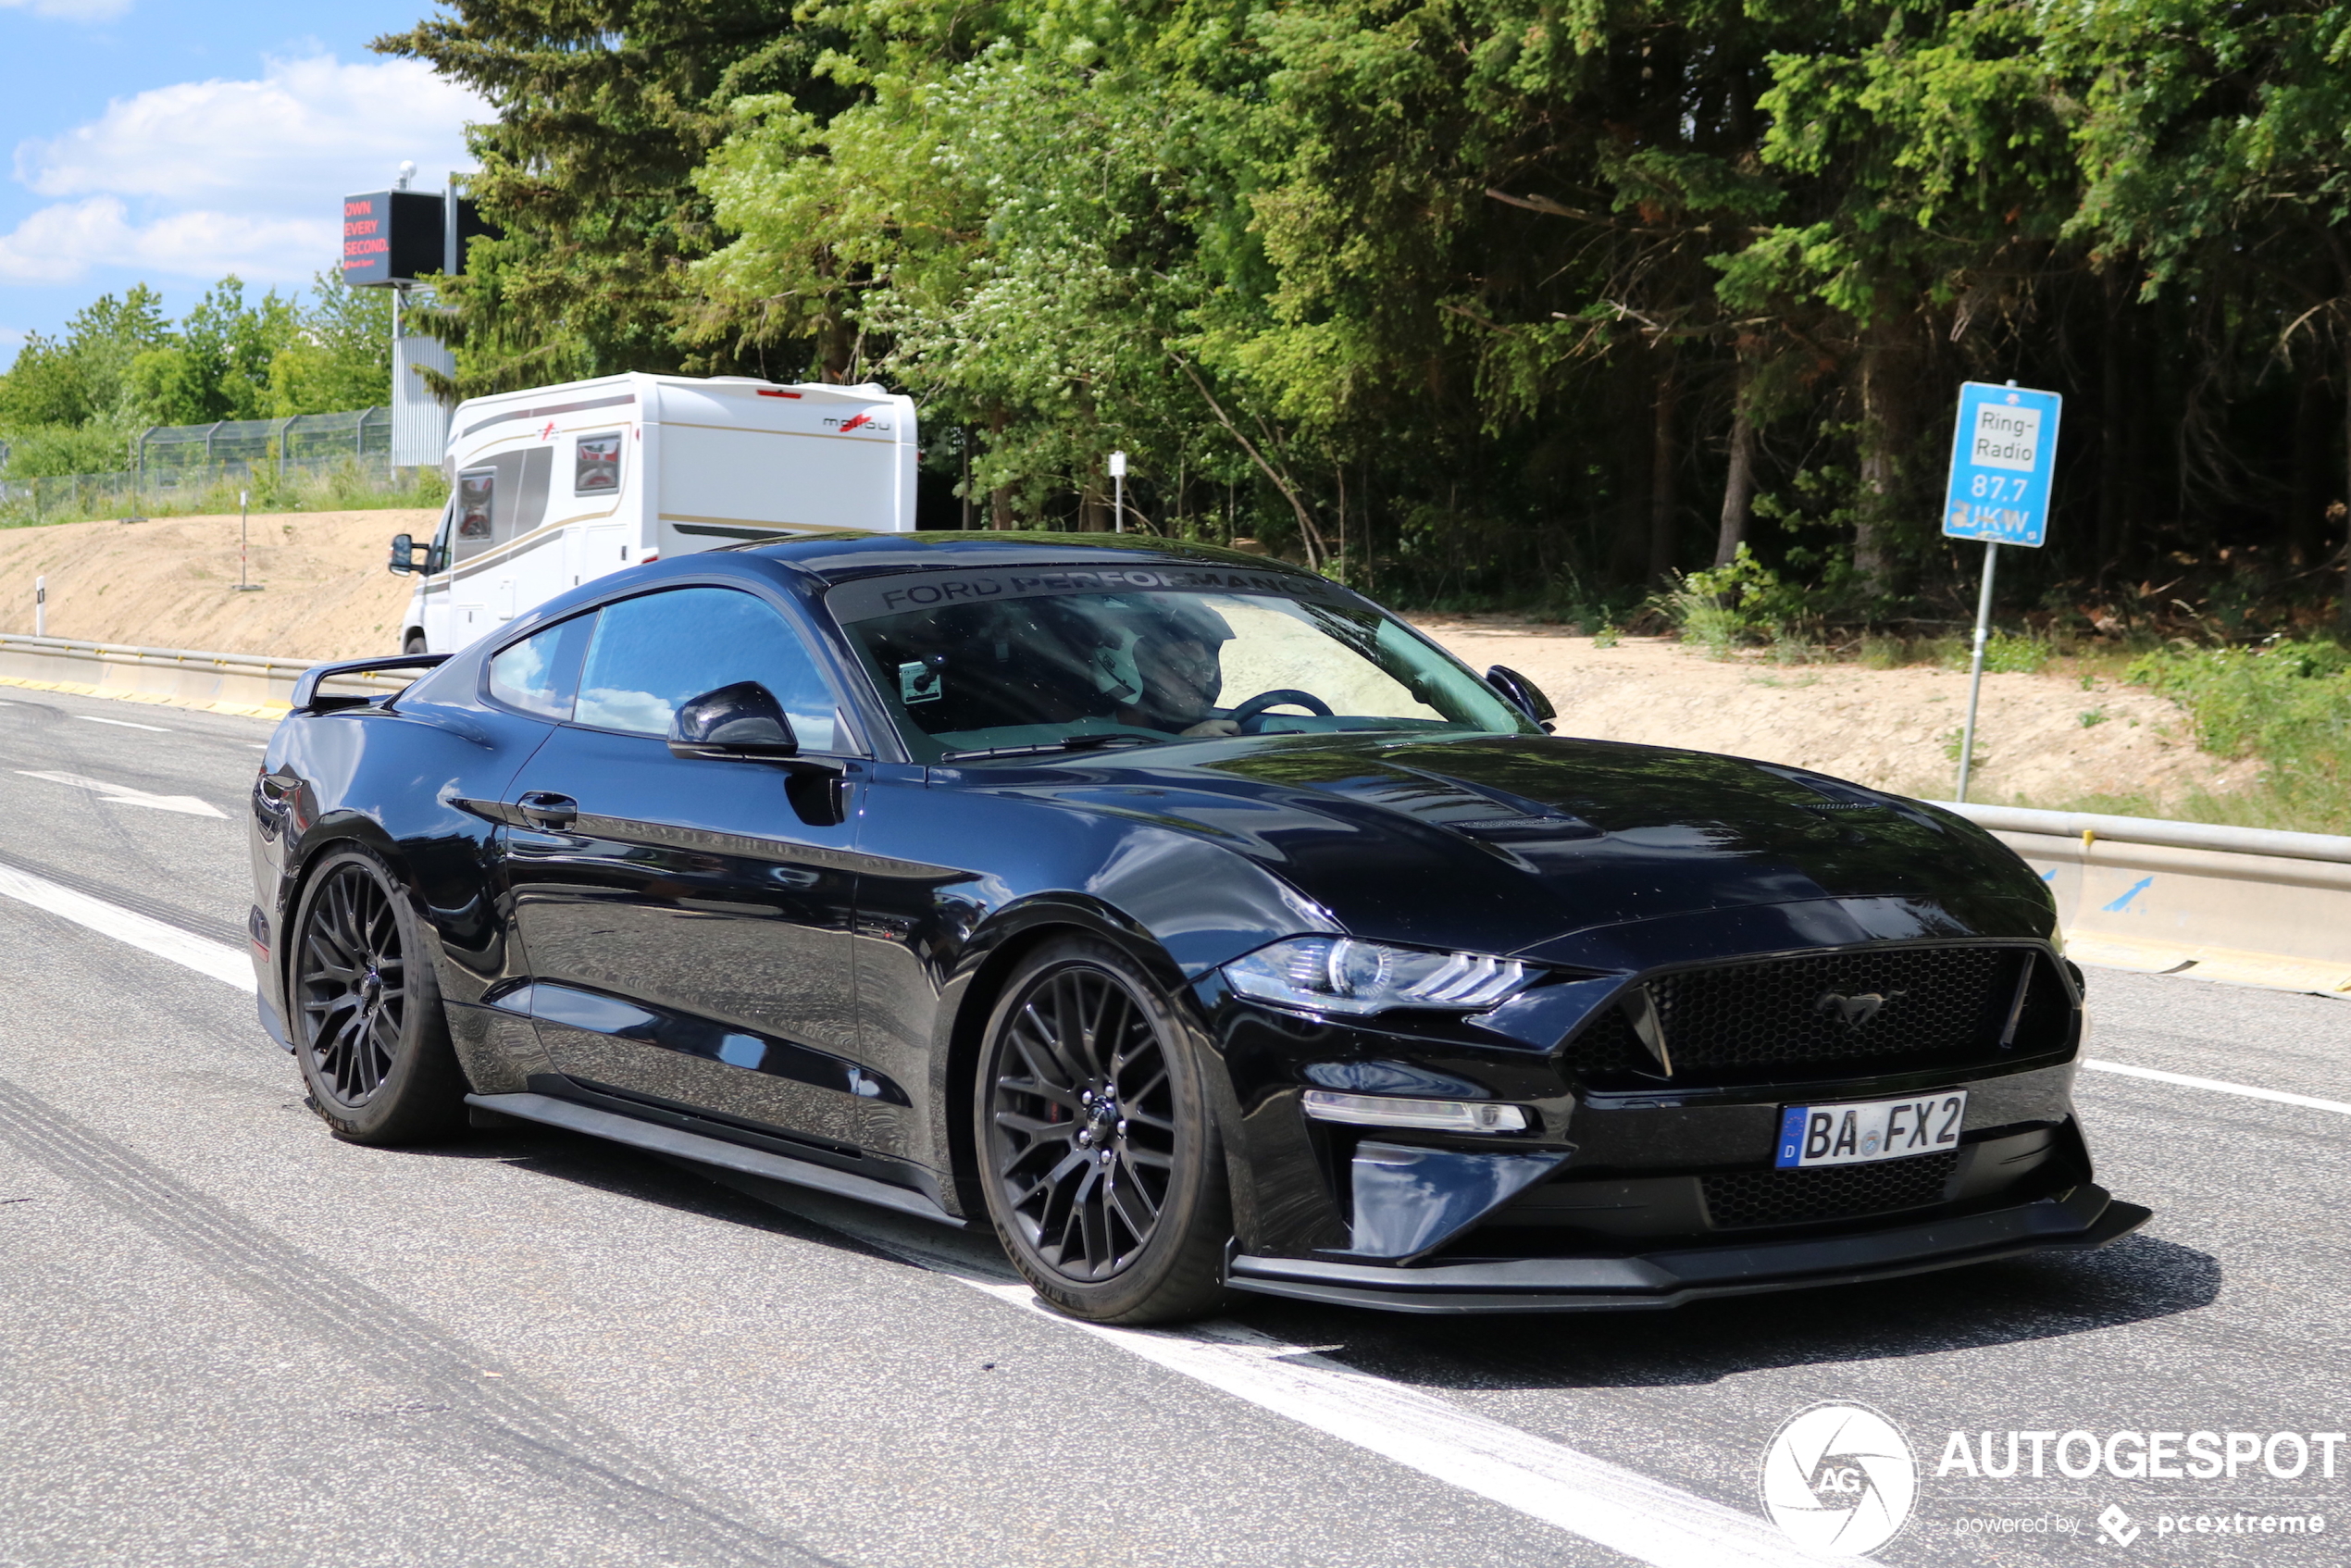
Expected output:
(226, 1337)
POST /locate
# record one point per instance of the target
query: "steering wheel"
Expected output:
(1250, 717)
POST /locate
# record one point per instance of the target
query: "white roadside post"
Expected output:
(2003, 457)
(242, 586)
(40, 607)
(1118, 492)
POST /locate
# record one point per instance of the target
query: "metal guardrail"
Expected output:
(2244, 905)
(250, 680)
(2154, 831)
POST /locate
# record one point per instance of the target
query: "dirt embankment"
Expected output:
(1894, 729)
(172, 583)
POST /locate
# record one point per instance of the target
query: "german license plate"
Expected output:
(1869, 1130)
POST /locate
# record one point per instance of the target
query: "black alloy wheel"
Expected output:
(374, 1044)
(1103, 1174)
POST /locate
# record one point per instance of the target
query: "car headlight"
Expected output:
(1343, 975)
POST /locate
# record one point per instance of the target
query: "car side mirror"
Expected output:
(742, 721)
(1522, 694)
(404, 553)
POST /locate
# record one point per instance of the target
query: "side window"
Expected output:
(595, 465)
(477, 492)
(541, 673)
(653, 655)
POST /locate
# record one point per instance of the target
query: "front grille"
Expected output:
(1745, 1198)
(1817, 1015)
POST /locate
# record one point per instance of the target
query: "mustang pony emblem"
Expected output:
(1855, 1010)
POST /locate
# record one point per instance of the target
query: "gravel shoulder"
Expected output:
(1894, 729)
(172, 582)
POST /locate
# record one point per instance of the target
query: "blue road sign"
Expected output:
(2003, 453)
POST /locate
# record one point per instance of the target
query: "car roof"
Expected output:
(837, 557)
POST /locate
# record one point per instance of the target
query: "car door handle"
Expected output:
(544, 808)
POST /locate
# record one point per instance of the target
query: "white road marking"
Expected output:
(1623, 1510)
(123, 796)
(93, 718)
(2279, 1096)
(219, 960)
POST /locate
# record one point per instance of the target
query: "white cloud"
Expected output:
(12, 337)
(207, 177)
(59, 243)
(72, 10)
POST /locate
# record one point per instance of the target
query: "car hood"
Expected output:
(1575, 851)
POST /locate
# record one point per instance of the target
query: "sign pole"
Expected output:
(1976, 664)
(1118, 492)
(2002, 464)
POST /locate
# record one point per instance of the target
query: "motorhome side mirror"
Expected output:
(404, 553)
(1522, 694)
(742, 721)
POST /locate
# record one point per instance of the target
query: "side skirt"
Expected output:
(692, 1146)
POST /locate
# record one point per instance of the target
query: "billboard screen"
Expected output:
(390, 237)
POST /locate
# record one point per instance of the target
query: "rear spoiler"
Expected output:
(308, 699)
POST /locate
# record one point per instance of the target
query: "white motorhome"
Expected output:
(557, 485)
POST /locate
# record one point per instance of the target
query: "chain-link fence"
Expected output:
(176, 464)
(169, 456)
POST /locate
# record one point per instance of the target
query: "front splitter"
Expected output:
(2084, 1218)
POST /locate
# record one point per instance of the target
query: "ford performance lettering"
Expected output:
(863, 601)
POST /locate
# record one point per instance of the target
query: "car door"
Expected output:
(685, 920)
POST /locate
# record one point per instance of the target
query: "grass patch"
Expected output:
(2286, 703)
(345, 487)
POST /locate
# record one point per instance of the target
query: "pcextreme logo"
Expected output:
(1839, 1479)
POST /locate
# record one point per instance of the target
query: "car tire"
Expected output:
(415, 644)
(369, 1032)
(1085, 1054)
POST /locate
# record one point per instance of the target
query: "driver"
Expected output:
(1179, 673)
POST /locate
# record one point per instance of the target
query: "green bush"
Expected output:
(1742, 603)
(41, 451)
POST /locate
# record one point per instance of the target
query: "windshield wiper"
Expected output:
(1067, 743)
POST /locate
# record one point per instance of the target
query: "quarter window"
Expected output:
(595, 467)
(539, 674)
(653, 653)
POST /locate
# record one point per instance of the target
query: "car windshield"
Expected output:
(1020, 659)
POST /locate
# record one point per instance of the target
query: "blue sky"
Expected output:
(170, 143)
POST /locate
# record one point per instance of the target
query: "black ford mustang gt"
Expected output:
(1185, 917)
